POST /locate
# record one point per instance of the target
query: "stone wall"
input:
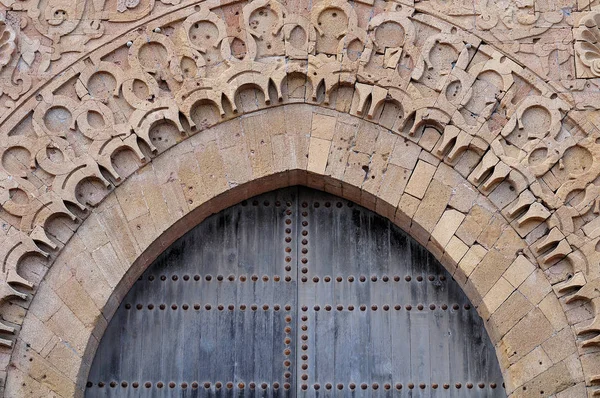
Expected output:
(472, 125)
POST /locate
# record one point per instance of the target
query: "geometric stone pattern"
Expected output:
(295, 293)
(78, 126)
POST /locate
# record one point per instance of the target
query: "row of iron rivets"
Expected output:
(374, 278)
(277, 307)
(386, 307)
(193, 385)
(287, 374)
(287, 351)
(287, 386)
(397, 386)
(208, 307)
(266, 203)
(219, 278)
(304, 318)
(316, 205)
(288, 241)
(304, 270)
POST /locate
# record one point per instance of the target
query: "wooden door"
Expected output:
(295, 293)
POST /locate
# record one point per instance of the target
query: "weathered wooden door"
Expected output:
(295, 293)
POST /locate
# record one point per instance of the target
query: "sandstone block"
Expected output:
(519, 270)
(236, 163)
(488, 272)
(535, 287)
(527, 334)
(407, 207)
(65, 323)
(78, 301)
(318, 153)
(111, 266)
(552, 309)
(468, 263)
(420, 179)
(447, 226)
(515, 307)
(560, 345)
(497, 295)
(405, 154)
(432, 207)
(474, 223)
(323, 126)
(528, 367)
(36, 334)
(341, 146)
(143, 230)
(553, 380)
(392, 186)
(455, 250)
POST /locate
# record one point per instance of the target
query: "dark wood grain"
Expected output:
(368, 312)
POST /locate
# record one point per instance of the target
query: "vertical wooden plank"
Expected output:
(300, 251)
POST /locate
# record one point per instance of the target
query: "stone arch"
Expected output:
(188, 182)
(63, 152)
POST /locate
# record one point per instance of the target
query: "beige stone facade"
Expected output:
(474, 126)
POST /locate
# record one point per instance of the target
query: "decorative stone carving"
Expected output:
(538, 33)
(7, 43)
(587, 45)
(73, 138)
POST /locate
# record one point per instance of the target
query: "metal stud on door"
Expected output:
(295, 293)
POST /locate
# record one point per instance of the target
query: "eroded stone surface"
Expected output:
(132, 115)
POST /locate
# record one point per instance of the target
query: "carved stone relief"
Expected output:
(81, 108)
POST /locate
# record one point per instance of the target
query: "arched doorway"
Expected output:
(295, 293)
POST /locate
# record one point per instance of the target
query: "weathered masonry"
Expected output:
(465, 132)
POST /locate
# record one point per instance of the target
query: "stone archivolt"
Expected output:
(55, 33)
(496, 123)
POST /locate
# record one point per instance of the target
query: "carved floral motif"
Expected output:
(7, 43)
(587, 43)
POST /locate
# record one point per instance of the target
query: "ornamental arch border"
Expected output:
(471, 117)
(132, 226)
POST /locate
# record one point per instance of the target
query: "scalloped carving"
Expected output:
(7, 43)
(587, 45)
(425, 80)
